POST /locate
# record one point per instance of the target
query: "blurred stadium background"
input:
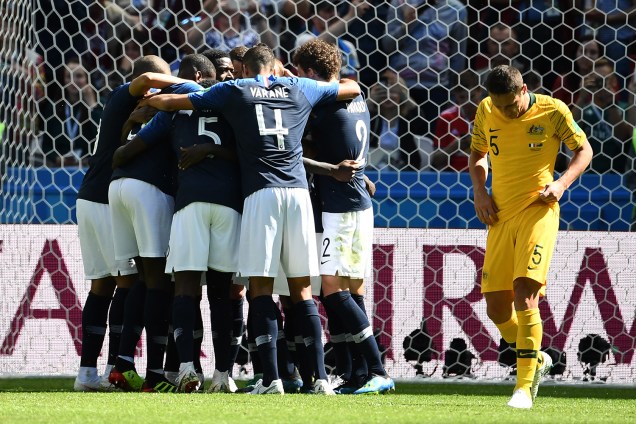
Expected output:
(421, 64)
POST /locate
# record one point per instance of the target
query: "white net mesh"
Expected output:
(422, 66)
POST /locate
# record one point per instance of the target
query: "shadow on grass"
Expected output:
(551, 389)
(434, 387)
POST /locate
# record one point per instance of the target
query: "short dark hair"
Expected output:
(258, 58)
(324, 58)
(504, 79)
(215, 54)
(237, 53)
(192, 63)
(150, 63)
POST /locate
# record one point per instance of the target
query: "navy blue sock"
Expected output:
(359, 299)
(266, 330)
(172, 355)
(94, 317)
(238, 327)
(116, 323)
(183, 318)
(304, 363)
(198, 335)
(133, 322)
(358, 326)
(338, 338)
(290, 334)
(307, 313)
(285, 364)
(251, 342)
(359, 364)
(220, 313)
(157, 314)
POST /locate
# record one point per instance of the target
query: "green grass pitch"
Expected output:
(51, 400)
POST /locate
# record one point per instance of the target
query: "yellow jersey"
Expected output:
(523, 151)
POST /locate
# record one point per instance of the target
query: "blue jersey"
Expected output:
(268, 123)
(157, 165)
(341, 131)
(213, 180)
(118, 108)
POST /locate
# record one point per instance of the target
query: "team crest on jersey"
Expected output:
(536, 130)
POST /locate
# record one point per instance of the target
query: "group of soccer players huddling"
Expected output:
(237, 175)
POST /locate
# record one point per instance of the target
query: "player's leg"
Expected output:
(237, 300)
(338, 339)
(124, 375)
(224, 236)
(260, 246)
(538, 226)
(360, 368)
(151, 212)
(187, 285)
(219, 286)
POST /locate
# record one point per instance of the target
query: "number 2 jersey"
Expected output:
(268, 124)
(523, 151)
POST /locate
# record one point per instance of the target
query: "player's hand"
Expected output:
(345, 170)
(552, 192)
(485, 207)
(143, 114)
(370, 185)
(192, 155)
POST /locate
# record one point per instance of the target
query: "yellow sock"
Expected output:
(529, 338)
(509, 328)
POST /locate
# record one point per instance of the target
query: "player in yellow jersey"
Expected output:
(521, 133)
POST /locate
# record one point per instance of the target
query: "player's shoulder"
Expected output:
(551, 104)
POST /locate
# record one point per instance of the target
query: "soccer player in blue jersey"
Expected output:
(205, 228)
(94, 227)
(141, 196)
(268, 116)
(340, 131)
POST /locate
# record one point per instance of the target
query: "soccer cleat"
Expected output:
(188, 380)
(128, 381)
(222, 383)
(87, 385)
(107, 386)
(275, 388)
(171, 376)
(322, 387)
(376, 384)
(294, 383)
(520, 400)
(346, 388)
(163, 386)
(544, 364)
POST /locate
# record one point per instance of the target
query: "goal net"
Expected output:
(422, 67)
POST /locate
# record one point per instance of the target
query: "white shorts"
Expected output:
(204, 235)
(277, 231)
(96, 242)
(141, 215)
(281, 286)
(347, 244)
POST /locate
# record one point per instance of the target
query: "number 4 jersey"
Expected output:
(268, 123)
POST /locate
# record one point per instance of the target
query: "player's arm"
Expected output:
(141, 115)
(580, 161)
(343, 172)
(348, 89)
(195, 154)
(484, 205)
(168, 102)
(128, 151)
(144, 82)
